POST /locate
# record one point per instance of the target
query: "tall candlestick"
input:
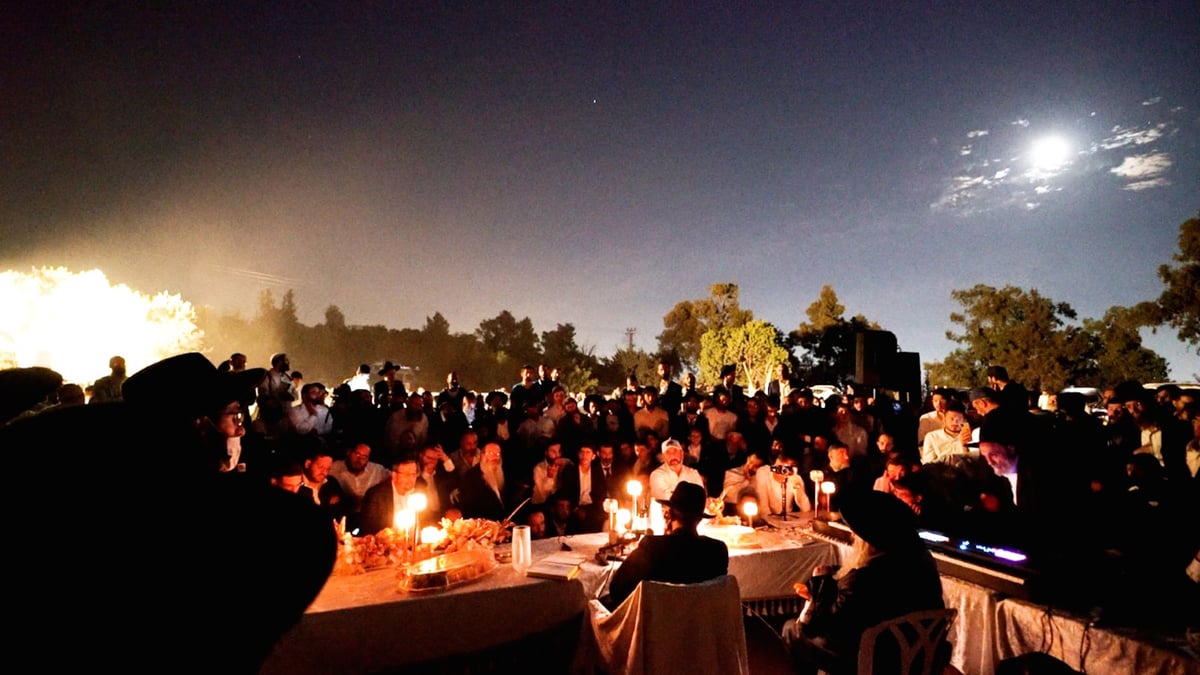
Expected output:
(634, 488)
(816, 476)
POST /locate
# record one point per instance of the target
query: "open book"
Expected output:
(560, 565)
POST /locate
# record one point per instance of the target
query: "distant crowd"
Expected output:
(988, 462)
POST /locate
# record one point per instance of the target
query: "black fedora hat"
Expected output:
(688, 499)
(388, 367)
(188, 386)
(881, 519)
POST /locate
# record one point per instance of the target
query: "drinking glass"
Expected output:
(522, 548)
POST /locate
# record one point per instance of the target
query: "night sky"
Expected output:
(594, 163)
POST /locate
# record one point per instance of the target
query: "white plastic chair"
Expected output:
(919, 636)
(674, 628)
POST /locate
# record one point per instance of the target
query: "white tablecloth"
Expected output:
(1023, 627)
(362, 624)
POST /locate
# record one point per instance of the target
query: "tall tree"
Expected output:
(828, 340)
(1117, 353)
(756, 347)
(1179, 304)
(1021, 330)
(688, 320)
(507, 337)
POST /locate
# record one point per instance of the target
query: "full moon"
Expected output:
(1049, 153)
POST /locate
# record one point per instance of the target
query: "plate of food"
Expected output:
(446, 570)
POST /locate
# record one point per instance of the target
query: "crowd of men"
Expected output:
(987, 462)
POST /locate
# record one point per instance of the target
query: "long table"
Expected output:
(363, 624)
(1024, 627)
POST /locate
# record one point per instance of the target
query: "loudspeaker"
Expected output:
(873, 354)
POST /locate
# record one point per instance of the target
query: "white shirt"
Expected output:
(318, 422)
(585, 488)
(720, 422)
(357, 484)
(940, 446)
(770, 492)
(663, 480)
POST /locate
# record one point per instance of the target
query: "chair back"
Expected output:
(907, 645)
(674, 628)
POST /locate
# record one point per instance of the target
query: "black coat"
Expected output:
(682, 557)
(888, 586)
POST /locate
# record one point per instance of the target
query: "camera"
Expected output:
(785, 469)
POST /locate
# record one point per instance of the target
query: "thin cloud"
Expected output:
(1147, 184)
(1121, 137)
(1152, 101)
(978, 133)
(1143, 167)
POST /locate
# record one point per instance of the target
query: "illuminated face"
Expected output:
(553, 452)
(952, 423)
(404, 477)
(939, 403)
(885, 443)
(229, 421)
(358, 458)
(492, 454)
(318, 468)
(429, 460)
(586, 456)
(469, 444)
(674, 456)
(906, 495)
(1002, 458)
(695, 437)
(290, 483)
(894, 471)
(537, 524)
(606, 454)
(839, 458)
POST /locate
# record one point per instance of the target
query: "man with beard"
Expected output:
(486, 492)
(672, 472)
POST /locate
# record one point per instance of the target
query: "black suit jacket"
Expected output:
(480, 501)
(379, 509)
(682, 557)
(568, 484)
(888, 586)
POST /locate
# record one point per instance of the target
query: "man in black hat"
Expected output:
(389, 388)
(888, 573)
(249, 557)
(737, 396)
(681, 556)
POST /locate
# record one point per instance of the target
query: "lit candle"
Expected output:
(816, 476)
(610, 507)
(658, 521)
(624, 518)
(634, 488)
(406, 521)
(828, 487)
(750, 508)
(417, 502)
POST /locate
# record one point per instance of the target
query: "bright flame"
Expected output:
(74, 322)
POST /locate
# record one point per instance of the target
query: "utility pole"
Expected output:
(629, 333)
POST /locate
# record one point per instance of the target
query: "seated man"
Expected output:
(950, 440)
(772, 485)
(672, 472)
(680, 556)
(385, 500)
(888, 573)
